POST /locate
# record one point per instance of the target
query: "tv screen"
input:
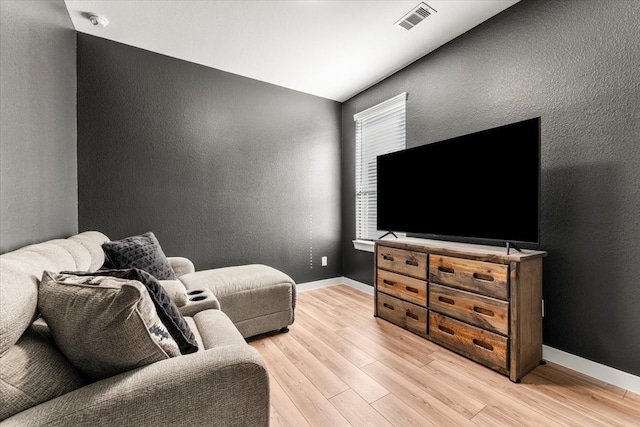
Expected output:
(480, 186)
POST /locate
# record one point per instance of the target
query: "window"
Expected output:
(380, 129)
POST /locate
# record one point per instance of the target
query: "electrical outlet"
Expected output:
(324, 261)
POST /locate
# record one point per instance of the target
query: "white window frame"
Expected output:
(380, 129)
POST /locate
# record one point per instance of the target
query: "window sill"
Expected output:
(363, 245)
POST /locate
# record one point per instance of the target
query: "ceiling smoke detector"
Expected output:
(416, 16)
(97, 20)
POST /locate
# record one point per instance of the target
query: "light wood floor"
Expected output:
(340, 366)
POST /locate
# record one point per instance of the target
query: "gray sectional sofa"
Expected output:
(223, 383)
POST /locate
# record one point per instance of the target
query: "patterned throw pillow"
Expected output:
(103, 325)
(167, 311)
(143, 252)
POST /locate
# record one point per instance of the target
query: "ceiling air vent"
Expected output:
(413, 18)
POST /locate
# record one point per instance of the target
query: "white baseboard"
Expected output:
(568, 360)
(593, 369)
(301, 287)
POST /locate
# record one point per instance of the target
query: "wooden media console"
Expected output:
(475, 300)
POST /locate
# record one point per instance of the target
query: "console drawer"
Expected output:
(485, 312)
(402, 313)
(402, 261)
(482, 277)
(403, 287)
(478, 344)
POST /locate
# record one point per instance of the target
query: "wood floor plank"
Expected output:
(415, 397)
(596, 385)
(334, 341)
(511, 409)
(365, 386)
(341, 366)
(589, 399)
(319, 311)
(325, 308)
(350, 295)
(358, 412)
(342, 300)
(633, 397)
(447, 392)
(284, 412)
(328, 383)
(315, 408)
(399, 413)
(491, 416)
(379, 351)
(523, 392)
(400, 340)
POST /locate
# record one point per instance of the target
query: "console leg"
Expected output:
(543, 362)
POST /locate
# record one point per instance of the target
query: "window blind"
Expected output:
(380, 129)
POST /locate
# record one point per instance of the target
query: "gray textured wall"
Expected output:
(223, 169)
(38, 187)
(575, 64)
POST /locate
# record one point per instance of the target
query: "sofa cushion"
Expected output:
(181, 265)
(196, 332)
(103, 325)
(79, 253)
(166, 309)
(34, 371)
(18, 300)
(176, 291)
(142, 251)
(57, 256)
(257, 298)
(216, 329)
(21, 270)
(92, 242)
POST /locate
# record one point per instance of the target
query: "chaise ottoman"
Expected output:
(256, 297)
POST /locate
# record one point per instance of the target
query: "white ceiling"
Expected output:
(333, 49)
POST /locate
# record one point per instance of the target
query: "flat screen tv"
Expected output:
(484, 186)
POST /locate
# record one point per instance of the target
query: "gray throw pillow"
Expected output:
(142, 251)
(167, 311)
(103, 325)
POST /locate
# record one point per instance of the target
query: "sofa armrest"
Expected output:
(176, 291)
(199, 300)
(181, 265)
(224, 386)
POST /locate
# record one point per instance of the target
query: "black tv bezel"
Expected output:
(475, 239)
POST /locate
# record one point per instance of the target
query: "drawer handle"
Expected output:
(483, 344)
(387, 257)
(388, 282)
(389, 306)
(411, 315)
(484, 311)
(446, 330)
(410, 289)
(446, 270)
(447, 300)
(482, 276)
(412, 262)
